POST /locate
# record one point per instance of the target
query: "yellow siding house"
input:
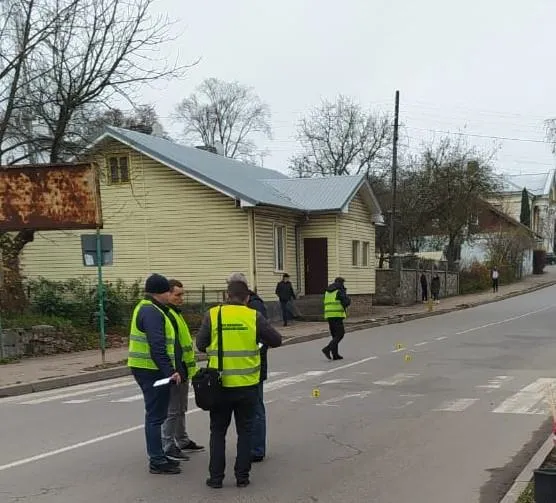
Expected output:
(197, 216)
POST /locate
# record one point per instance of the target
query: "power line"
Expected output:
(505, 138)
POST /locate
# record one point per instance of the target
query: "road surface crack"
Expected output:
(355, 450)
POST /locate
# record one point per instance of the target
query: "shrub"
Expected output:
(539, 261)
(475, 278)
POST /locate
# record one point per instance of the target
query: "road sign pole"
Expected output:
(100, 294)
(2, 354)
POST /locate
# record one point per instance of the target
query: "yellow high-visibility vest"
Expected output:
(332, 306)
(186, 343)
(139, 350)
(241, 363)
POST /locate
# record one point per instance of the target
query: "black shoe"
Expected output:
(172, 462)
(175, 454)
(326, 352)
(164, 469)
(256, 459)
(215, 484)
(337, 357)
(242, 483)
(192, 447)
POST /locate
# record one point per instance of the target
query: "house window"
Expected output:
(279, 247)
(118, 169)
(365, 254)
(355, 253)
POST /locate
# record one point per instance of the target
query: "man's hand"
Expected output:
(176, 377)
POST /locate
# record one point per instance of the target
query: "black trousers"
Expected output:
(337, 331)
(424, 294)
(285, 311)
(494, 284)
(241, 403)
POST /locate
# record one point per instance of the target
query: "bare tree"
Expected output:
(458, 177)
(96, 50)
(340, 138)
(508, 247)
(228, 113)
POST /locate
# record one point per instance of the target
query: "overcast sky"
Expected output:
(483, 65)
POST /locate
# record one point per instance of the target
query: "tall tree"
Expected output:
(458, 177)
(228, 113)
(96, 50)
(525, 215)
(341, 138)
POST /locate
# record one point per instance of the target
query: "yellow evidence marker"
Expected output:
(316, 393)
(399, 346)
(408, 358)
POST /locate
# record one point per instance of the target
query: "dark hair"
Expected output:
(285, 275)
(174, 283)
(238, 290)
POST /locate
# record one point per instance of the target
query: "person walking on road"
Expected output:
(152, 357)
(336, 302)
(243, 329)
(175, 440)
(494, 275)
(258, 439)
(285, 293)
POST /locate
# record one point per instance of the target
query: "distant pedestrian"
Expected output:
(494, 275)
(152, 339)
(285, 293)
(336, 302)
(258, 438)
(424, 288)
(435, 288)
(243, 329)
(176, 441)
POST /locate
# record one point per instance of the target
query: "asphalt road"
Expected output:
(450, 417)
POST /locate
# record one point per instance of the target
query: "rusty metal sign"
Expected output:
(49, 197)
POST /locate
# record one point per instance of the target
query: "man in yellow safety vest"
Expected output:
(336, 302)
(243, 330)
(152, 340)
(175, 440)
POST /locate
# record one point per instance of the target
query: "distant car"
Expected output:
(550, 258)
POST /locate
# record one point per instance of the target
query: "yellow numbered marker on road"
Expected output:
(408, 358)
(399, 346)
(316, 393)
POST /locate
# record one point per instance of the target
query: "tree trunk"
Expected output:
(12, 295)
(452, 251)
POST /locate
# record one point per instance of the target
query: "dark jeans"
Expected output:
(241, 403)
(156, 410)
(424, 294)
(258, 437)
(435, 295)
(337, 331)
(285, 311)
(495, 285)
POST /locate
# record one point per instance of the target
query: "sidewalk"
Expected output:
(50, 372)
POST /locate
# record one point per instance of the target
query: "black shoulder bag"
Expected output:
(207, 382)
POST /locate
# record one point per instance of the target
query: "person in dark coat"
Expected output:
(424, 288)
(435, 287)
(285, 293)
(258, 444)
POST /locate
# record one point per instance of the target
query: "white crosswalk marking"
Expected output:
(495, 383)
(84, 400)
(458, 405)
(395, 379)
(52, 398)
(528, 399)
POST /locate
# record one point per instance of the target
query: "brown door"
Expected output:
(316, 265)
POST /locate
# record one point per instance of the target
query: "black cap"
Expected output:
(340, 280)
(156, 283)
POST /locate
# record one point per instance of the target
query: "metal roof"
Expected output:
(537, 183)
(251, 184)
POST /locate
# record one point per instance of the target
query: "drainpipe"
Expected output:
(297, 259)
(253, 247)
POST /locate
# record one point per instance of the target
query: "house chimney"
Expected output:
(207, 148)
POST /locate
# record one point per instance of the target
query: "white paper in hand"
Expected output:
(161, 382)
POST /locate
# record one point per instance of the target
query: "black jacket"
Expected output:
(284, 291)
(342, 295)
(256, 303)
(435, 284)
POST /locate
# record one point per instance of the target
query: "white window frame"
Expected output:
(119, 158)
(365, 253)
(277, 230)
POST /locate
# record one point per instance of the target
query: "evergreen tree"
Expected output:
(525, 215)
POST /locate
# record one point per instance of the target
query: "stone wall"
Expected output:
(37, 340)
(403, 287)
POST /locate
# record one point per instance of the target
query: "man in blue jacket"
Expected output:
(258, 444)
(152, 350)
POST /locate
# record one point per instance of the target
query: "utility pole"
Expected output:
(394, 175)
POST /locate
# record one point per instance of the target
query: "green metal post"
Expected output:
(100, 293)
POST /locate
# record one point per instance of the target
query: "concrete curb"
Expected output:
(122, 370)
(523, 479)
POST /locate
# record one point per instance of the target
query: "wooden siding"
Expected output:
(356, 225)
(321, 226)
(161, 222)
(267, 276)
